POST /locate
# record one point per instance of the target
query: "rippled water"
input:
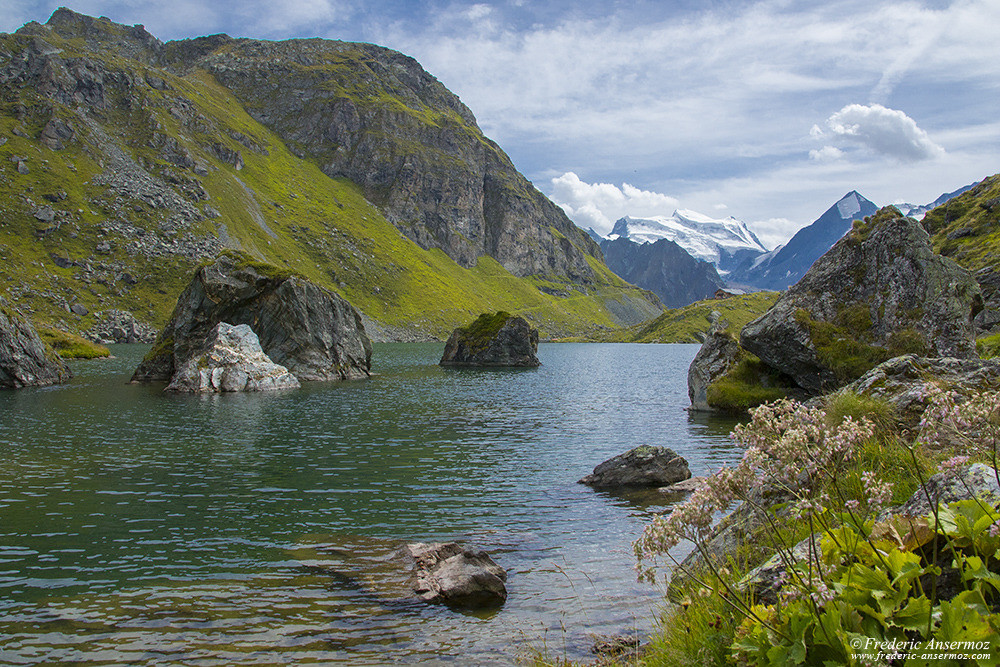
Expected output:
(137, 526)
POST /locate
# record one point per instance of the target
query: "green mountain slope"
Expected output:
(125, 163)
(967, 227)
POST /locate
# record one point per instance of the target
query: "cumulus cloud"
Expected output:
(880, 129)
(826, 154)
(599, 205)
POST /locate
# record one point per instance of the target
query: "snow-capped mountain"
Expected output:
(917, 211)
(783, 266)
(724, 243)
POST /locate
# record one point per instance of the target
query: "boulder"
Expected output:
(644, 466)
(902, 381)
(879, 292)
(450, 574)
(26, 361)
(717, 354)
(500, 339)
(120, 326)
(231, 360)
(988, 321)
(313, 333)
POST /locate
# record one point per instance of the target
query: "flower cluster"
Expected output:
(955, 421)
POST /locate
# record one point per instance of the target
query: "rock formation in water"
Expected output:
(231, 360)
(26, 361)
(493, 340)
(314, 333)
(879, 292)
(715, 357)
(643, 466)
(458, 577)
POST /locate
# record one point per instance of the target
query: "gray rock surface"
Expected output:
(120, 326)
(450, 574)
(881, 279)
(231, 361)
(715, 357)
(644, 466)
(988, 321)
(314, 333)
(25, 361)
(493, 340)
(901, 381)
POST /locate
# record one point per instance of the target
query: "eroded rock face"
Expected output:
(493, 340)
(25, 361)
(881, 288)
(643, 466)
(231, 361)
(120, 326)
(314, 333)
(716, 356)
(451, 574)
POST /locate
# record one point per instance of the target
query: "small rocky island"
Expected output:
(311, 332)
(641, 467)
(500, 339)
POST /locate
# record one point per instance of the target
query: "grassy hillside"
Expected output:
(967, 228)
(163, 171)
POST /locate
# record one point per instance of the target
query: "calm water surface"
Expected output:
(141, 527)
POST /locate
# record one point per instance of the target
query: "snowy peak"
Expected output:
(706, 238)
(850, 205)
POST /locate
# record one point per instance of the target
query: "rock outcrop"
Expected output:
(231, 361)
(715, 357)
(644, 466)
(493, 340)
(26, 361)
(458, 577)
(119, 326)
(314, 333)
(879, 292)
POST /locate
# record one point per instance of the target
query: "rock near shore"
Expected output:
(643, 466)
(25, 361)
(453, 575)
(314, 333)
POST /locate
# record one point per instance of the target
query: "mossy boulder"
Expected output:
(314, 333)
(643, 466)
(881, 291)
(500, 339)
(25, 360)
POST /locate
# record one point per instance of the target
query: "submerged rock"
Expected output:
(26, 361)
(643, 466)
(314, 333)
(493, 340)
(450, 574)
(879, 292)
(231, 361)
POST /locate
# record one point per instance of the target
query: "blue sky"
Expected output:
(767, 111)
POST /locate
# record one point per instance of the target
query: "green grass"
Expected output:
(71, 346)
(989, 346)
(976, 215)
(747, 384)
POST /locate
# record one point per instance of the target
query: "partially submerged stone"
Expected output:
(500, 339)
(231, 361)
(312, 332)
(25, 360)
(644, 466)
(716, 356)
(450, 574)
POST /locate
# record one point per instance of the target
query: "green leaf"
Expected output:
(913, 616)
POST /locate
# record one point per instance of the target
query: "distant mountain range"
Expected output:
(663, 267)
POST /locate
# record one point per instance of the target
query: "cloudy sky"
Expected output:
(767, 111)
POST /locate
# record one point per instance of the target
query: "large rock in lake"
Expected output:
(314, 333)
(493, 340)
(879, 292)
(642, 466)
(717, 354)
(231, 360)
(25, 360)
(450, 574)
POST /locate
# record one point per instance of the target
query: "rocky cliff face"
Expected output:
(664, 268)
(25, 361)
(125, 163)
(879, 292)
(313, 333)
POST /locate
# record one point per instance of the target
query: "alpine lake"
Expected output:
(139, 527)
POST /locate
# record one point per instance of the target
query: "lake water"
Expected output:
(142, 527)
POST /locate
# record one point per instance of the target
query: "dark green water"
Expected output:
(140, 527)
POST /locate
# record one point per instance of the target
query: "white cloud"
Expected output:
(599, 205)
(826, 154)
(882, 130)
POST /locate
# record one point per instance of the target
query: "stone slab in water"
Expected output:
(644, 466)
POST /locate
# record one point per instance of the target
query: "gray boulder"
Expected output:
(453, 575)
(120, 326)
(230, 361)
(989, 282)
(26, 361)
(644, 466)
(880, 291)
(716, 356)
(313, 333)
(493, 340)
